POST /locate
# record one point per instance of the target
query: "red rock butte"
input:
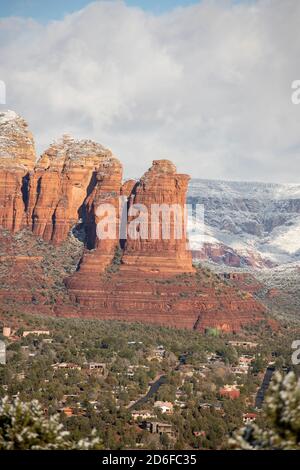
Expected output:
(162, 186)
(62, 179)
(17, 158)
(149, 279)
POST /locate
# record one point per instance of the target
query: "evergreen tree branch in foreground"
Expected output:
(23, 426)
(282, 416)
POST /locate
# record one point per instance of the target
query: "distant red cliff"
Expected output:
(151, 280)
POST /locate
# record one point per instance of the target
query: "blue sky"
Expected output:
(56, 9)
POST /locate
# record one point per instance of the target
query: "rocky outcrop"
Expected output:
(158, 200)
(251, 224)
(219, 254)
(17, 158)
(49, 196)
(244, 281)
(106, 192)
(224, 255)
(142, 254)
(191, 301)
(146, 276)
(154, 280)
(63, 178)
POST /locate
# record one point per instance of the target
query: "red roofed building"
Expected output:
(230, 391)
(249, 418)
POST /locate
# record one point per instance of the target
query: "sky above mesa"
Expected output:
(205, 83)
(57, 9)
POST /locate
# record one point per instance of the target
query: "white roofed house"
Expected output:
(36, 333)
(143, 415)
(164, 406)
(96, 368)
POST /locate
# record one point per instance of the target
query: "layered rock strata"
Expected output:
(155, 281)
(17, 158)
(106, 192)
(147, 276)
(63, 178)
(158, 200)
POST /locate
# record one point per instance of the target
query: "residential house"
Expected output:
(230, 391)
(157, 353)
(249, 418)
(238, 370)
(160, 428)
(6, 331)
(66, 365)
(206, 406)
(180, 404)
(98, 368)
(142, 415)
(199, 433)
(36, 333)
(164, 406)
(243, 344)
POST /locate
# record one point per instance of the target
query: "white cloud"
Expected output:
(208, 86)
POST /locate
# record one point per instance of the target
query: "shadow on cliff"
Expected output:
(25, 191)
(83, 231)
(123, 241)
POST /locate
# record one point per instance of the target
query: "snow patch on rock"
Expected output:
(258, 221)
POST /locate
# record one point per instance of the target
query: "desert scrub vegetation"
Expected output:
(114, 267)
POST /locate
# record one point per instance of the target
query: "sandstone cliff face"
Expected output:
(156, 282)
(149, 278)
(224, 255)
(17, 158)
(63, 178)
(106, 192)
(190, 301)
(164, 246)
(160, 185)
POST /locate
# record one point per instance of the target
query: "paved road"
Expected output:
(162, 379)
(264, 387)
(153, 389)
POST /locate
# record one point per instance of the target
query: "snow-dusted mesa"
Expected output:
(8, 116)
(16, 142)
(248, 224)
(69, 148)
(17, 159)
